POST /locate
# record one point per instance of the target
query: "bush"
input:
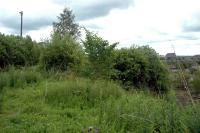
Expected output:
(100, 55)
(130, 67)
(18, 51)
(139, 67)
(61, 53)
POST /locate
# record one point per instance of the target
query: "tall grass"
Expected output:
(73, 104)
(81, 92)
(19, 77)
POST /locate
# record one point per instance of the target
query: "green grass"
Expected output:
(19, 78)
(73, 104)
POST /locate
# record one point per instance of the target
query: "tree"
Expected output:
(61, 53)
(66, 24)
(131, 67)
(100, 53)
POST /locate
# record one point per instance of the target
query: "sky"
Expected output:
(165, 25)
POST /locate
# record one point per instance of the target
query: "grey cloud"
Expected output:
(83, 10)
(89, 9)
(188, 37)
(28, 23)
(191, 27)
(192, 24)
(99, 9)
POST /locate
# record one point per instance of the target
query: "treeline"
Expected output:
(135, 67)
(94, 57)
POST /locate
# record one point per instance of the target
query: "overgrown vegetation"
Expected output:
(61, 53)
(19, 78)
(100, 55)
(18, 51)
(62, 85)
(196, 82)
(140, 67)
(72, 105)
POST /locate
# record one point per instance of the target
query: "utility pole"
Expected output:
(21, 13)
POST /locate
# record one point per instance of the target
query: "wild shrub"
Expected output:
(61, 53)
(157, 70)
(18, 51)
(130, 67)
(140, 67)
(100, 55)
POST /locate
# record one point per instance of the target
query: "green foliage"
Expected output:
(73, 105)
(61, 53)
(18, 51)
(100, 54)
(196, 82)
(66, 24)
(81, 92)
(19, 78)
(130, 67)
(157, 70)
(139, 67)
(141, 113)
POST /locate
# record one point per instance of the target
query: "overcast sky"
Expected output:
(162, 24)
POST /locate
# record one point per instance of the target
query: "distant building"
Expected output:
(187, 62)
(170, 56)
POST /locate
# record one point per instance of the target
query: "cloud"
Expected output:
(28, 23)
(99, 8)
(42, 16)
(90, 25)
(192, 24)
(187, 37)
(90, 9)
(36, 15)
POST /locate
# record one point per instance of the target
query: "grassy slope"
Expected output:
(72, 105)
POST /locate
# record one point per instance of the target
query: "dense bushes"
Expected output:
(100, 54)
(140, 67)
(18, 51)
(133, 67)
(61, 53)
